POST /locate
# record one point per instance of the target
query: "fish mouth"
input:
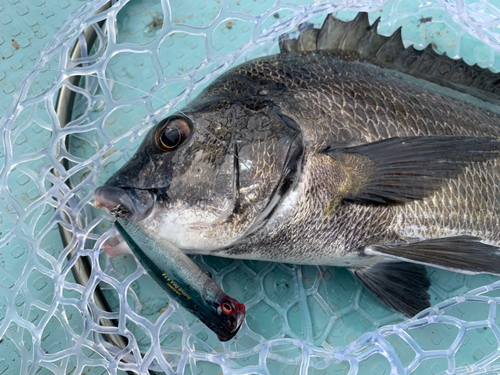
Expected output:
(139, 203)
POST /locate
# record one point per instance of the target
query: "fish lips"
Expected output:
(139, 203)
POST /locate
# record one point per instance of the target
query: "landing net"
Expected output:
(149, 58)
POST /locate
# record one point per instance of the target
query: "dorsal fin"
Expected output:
(391, 49)
(357, 36)
(371, 41)
(307, 38)
(331, 34)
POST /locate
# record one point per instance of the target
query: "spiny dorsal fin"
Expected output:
(331, 34)
(288, 45)
(371, 41)
(391, 49)
(307, 38)
(354, 32)
(388, 52)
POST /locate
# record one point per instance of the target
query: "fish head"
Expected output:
(210, 175)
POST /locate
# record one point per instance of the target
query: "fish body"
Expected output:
(370, 105)
(345, 150)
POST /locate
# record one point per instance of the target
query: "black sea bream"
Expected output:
(345, 149)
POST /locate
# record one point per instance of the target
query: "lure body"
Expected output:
(183, 280)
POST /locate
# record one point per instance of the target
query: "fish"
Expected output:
(345, 149)
(182, 279)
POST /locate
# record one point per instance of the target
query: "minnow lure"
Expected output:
(182, 279)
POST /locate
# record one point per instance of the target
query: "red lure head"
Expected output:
(231, 314)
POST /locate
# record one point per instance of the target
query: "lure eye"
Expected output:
(171, 132)
(227, 308)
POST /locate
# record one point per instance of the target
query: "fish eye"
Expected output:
(227, 308)
(171, 132)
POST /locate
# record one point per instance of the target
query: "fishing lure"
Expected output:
(182, 279)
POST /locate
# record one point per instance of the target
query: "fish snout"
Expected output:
(139, 203)
(235, 313)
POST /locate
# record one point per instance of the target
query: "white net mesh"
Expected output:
(150, 57)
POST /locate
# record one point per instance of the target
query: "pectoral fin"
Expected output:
(400, 286)
(464, 254)
(401, 169)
